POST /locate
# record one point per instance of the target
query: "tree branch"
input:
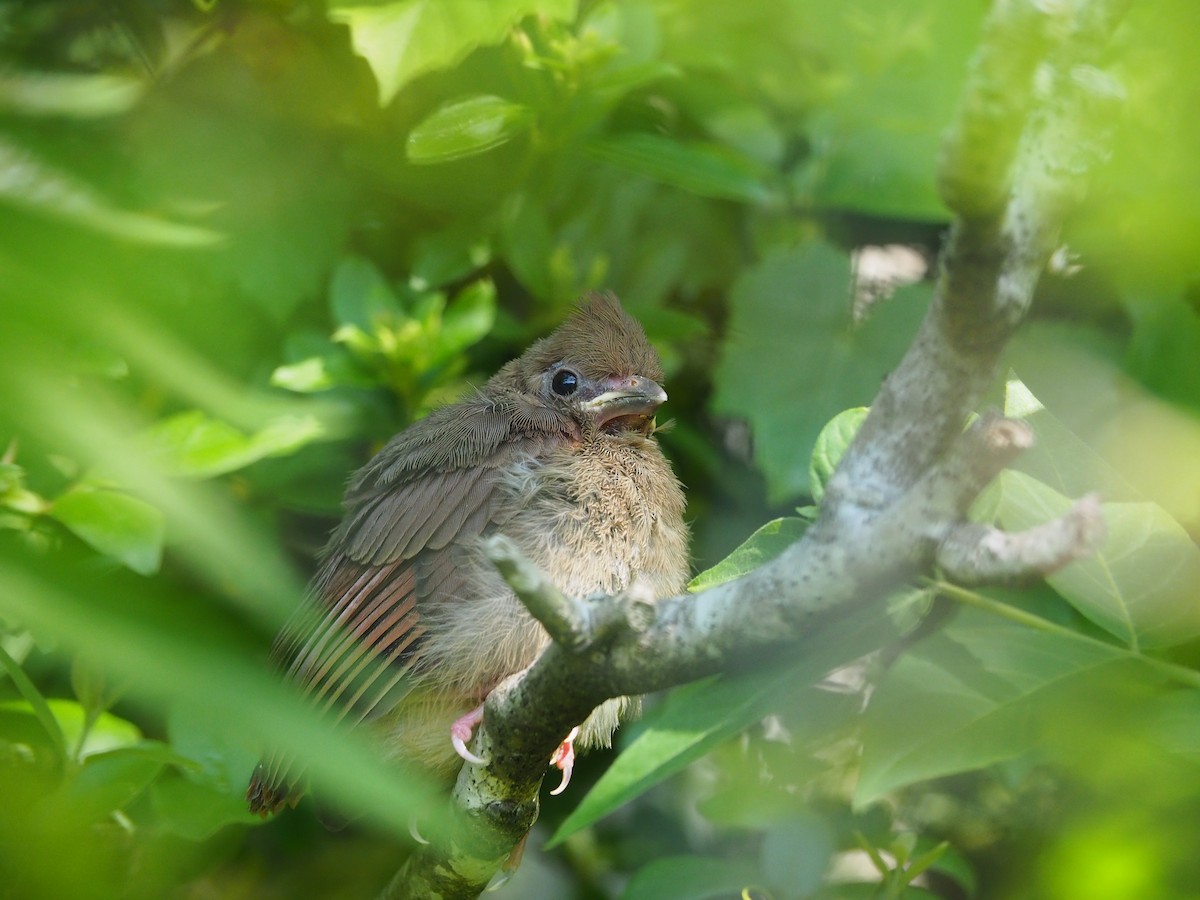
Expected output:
(1013, 165)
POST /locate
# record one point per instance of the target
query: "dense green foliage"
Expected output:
(244, 241)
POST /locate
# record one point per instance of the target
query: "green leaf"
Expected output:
(795, 305)
(690, 878)
(467, 127)
(765, 544)
(406, 38)
(1140, 586)
(360, 296)
(831, 446)
(38, 707)
(695, 719)
(795, 853)
(968, 697)
(112, 779)
(196, 810)
(468, 319)
(193, 445)
(707, 170)
(118, 525)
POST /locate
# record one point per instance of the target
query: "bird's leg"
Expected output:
(564, 759)
(461, 731)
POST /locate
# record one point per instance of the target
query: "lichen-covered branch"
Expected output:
(1013, 164)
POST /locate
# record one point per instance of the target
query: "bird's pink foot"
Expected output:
(564, 759)
(461, 731)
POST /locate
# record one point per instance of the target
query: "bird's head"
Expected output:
(598, 368)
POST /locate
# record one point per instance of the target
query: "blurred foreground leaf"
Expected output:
(118, 525)
(974, 694)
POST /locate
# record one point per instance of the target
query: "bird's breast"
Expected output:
(598, 516)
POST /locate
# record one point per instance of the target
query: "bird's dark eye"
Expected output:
(564, 382)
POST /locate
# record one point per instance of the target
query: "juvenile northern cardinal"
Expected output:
(408, 627)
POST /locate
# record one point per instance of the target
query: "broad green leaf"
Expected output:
(796, 305)
(691, 878)
(968, 697)
(704, 169)
(468, 319)
(193, 445)
(195, 809)
(111, 779)
(467, 127)
(696, 718)
(118, 525)
(1143, 585)
(360, 296)
(765, 544)
(406, 38)
(832, 443)
(447, 256)
(37, 704)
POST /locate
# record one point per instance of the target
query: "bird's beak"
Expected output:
(625, 396)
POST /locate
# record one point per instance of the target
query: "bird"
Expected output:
(406, 627)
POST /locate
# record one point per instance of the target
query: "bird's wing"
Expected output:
(396, 551)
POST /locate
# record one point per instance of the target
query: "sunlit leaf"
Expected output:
(703, 169)
(1142, 583)
(765, 544)
(192, 444)
(469, 318)
(406, 38)
(832, 443)
(467, 127)
(118, 525)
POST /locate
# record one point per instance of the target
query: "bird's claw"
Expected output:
(564, 759)
(461, 731)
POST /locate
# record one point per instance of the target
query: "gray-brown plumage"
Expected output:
(409, 627)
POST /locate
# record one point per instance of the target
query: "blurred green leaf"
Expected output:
(696, 718)
(468, 319)
(795, 306)
(193, 445)
(765, 544)
(118, 525)
(111, 779)
(691, 878)
(466, 127)
(832, 444)
(406, 38)
(34, 186)
(795, 853)
(68, 93)
(360, 296)
(37, 705)
(1140, 585)
(707, 170)
(196, 810)
(969, 696)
